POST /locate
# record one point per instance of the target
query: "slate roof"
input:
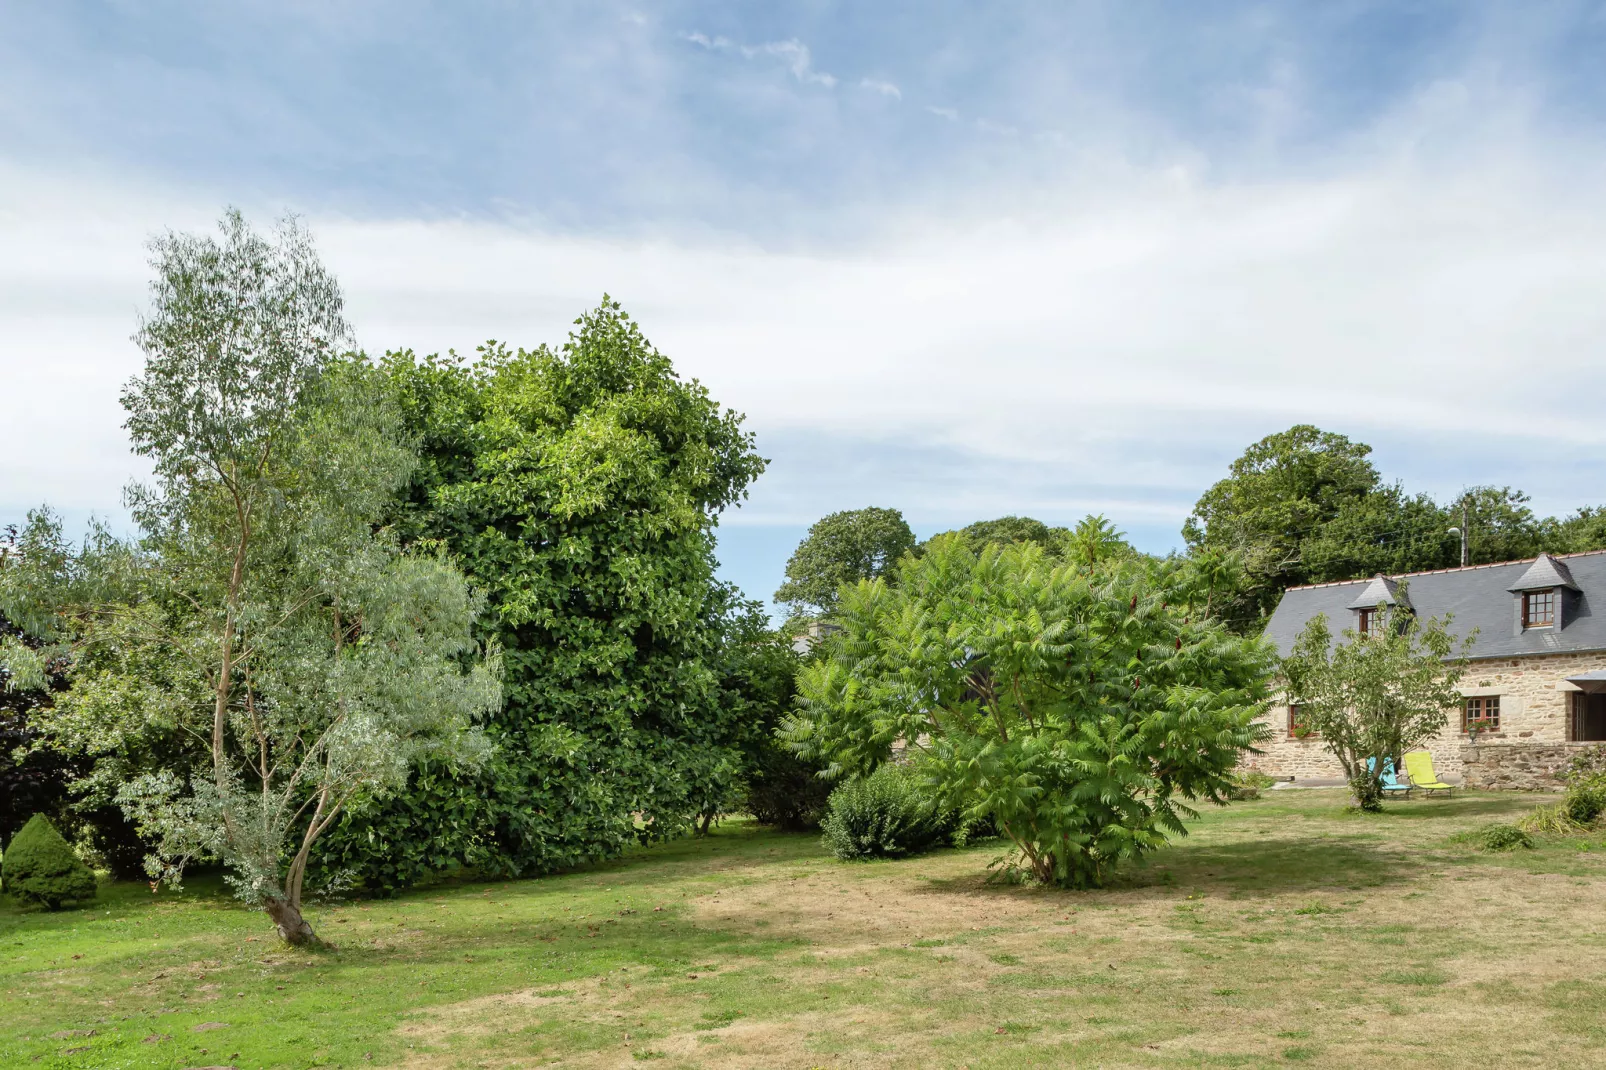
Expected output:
(1478, 597)
(1382, 591)
(1546, 571)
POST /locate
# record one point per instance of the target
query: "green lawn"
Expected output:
(1282, 931)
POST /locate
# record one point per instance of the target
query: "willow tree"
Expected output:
(262, 615)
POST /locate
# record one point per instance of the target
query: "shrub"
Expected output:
(40, 867)
(1553, 820)
(882, 815)
(1502, 838)
(1083, 706)
(1586, 786)
(1247, 785)
(1584, 804)
(785, 791)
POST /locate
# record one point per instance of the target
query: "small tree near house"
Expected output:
(1373, 696)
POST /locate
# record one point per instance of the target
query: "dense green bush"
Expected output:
(1502, 838)
(786, 791)
(1584, 804)
(40, 867)
(883, 815)
(579, 486)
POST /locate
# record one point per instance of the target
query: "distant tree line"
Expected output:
(1308, 506)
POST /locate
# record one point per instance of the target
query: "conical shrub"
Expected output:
(883, 815)
(40, 867)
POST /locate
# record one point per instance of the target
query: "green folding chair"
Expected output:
(1419, 768)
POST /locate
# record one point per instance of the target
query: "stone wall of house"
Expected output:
(1301, 759)
(1535, 708)
(1518, 766)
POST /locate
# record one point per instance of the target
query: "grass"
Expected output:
(1284, 930)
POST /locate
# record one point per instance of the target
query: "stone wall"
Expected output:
(1535, 707)
(1518, 766)
(1302, 759)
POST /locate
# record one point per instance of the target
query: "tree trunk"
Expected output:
(292, 926)
(1368, 794)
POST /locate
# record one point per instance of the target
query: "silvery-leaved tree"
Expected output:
(1371, 697)
(262, 618)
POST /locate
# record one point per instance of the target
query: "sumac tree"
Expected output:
(1081, 709)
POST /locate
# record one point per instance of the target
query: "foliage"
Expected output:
(263, 617)
(786, 791)
(758, 670)
(1384, 531)
(883, 815)
(1553, 820)
(1079, 709)
(1281, 490)
(1501, 837)
(1004, 530)
(73, 789)
(1248, 785)
(843, 548)
(1093, 542)
(40, 867)
(1307, 506)
(32, 780)
(1374, 697)
(1586, 786)
(579, 487)
(1579, 532)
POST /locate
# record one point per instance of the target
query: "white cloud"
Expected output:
(886, 89)
(793, 53)
(1111, 344)
(951, 114)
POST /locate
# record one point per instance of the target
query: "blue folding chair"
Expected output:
(1392, 785)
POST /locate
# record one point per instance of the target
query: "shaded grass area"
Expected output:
(1283, 931)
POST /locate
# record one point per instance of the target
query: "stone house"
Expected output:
(1534, 692)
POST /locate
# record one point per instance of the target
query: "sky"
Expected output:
(1032, 258)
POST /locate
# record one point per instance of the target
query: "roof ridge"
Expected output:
(1440, 571)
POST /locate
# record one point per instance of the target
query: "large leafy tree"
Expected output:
(1374, 697)
(579, 486)
(1501, 525)
(1081, 709)
(1307, 506)
(262, 615)
(1385, 530)
(1281, 490)
(1576, 533)
(1007, 529)
(845, 547)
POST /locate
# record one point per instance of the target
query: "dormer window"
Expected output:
(1539, 608)
(1379, 600)
(1544, 596)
